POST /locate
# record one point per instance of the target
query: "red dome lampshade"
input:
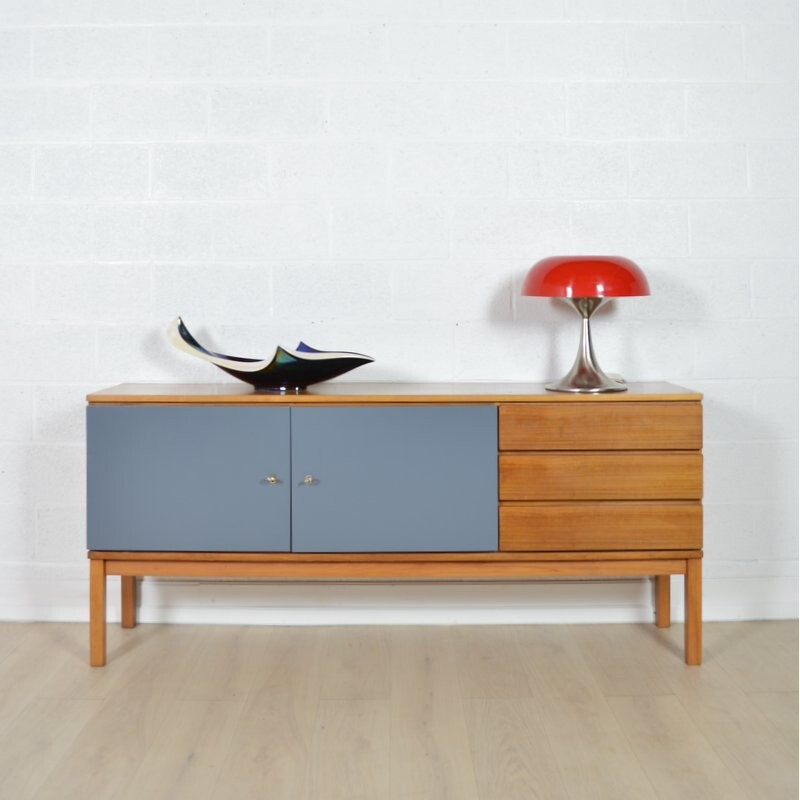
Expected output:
(586, 282)
(585, 276)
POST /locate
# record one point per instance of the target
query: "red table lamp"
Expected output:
(586, 282)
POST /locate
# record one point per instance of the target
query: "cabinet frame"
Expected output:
(493, 566)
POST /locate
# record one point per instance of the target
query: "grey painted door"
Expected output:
(188, 478)
(398, 478)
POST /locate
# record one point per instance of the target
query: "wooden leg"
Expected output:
(693, 610)
(128, 601)
(662, 601)
(97, 612)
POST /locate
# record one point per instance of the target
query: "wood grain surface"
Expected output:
(354, 393)
(566, 712)
(601, 526)
(614, 426)
(521, 569)
(601, 476)
(377, 558)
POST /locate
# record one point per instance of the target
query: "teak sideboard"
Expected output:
(392, 481)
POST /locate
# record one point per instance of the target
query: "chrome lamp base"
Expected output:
(586, 375)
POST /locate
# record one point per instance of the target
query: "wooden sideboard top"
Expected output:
(353, 393)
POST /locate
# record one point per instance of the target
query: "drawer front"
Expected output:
(601, 426)
(394, 479)
(601, 526)
(601, 476)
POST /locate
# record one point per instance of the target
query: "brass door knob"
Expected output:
(308, 480)
(272, 480)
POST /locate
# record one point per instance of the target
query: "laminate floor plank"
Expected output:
(679, 761)
(223, 669)
(758, 655)
(290, 673)
(402, 713)
(741, 735)
(129, 652)
(430, 751)
(511, 751)
(32, 747)
(621, 658)
(269, 756)
(781, 709)
(186, 756)
(270, 751)
(489, 663)
(11, 634)
(787, 632)
(356, 663)
(350, 754)
(22, 672)
(593, 755)
(109, 749)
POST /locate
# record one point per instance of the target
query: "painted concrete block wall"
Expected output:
(378, 176)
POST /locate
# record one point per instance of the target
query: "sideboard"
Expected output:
(359, 481)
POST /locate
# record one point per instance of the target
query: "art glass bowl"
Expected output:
(287, 370)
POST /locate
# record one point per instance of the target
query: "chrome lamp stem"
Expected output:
(586, 375)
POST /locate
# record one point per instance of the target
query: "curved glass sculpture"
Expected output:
(287, 370)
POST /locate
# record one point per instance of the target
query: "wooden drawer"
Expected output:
(601, 476)
(601, 526)
(601, 426)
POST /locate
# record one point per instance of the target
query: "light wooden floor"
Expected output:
(485, 713)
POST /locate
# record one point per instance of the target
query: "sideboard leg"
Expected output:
(693, 605)
(662, 601)
(128, 601)
(97, 612)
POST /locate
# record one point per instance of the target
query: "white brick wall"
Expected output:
(378, 176)
(91, 54)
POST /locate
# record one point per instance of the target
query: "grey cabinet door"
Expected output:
(188, 478)
(398, 478)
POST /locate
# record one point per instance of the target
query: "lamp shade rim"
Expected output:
(585, 276)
